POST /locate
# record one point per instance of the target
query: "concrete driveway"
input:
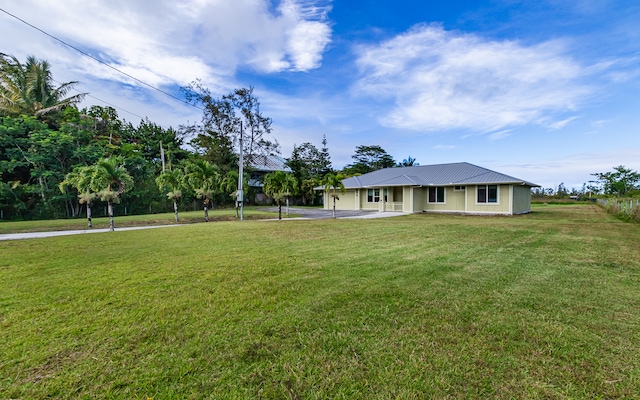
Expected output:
(306, 213)
(319, 213)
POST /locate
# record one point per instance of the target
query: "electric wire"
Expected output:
(103, 101)
(100, 61)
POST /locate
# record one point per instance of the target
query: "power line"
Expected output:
(103, 101)
(100, 61)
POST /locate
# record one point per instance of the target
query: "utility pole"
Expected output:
(162, 156)
(240, 194)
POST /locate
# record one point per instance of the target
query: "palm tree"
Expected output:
(80, 179)
(28, 88)
(109, 180)
(203, 177)
(333, 182)
(175, 181)
(279, 185)
(229, 184)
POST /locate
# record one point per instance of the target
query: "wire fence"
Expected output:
(626, 209)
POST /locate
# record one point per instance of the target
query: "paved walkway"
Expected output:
(34, 235)
(306, 213)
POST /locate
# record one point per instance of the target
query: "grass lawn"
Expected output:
(545, 305)
(186, 217)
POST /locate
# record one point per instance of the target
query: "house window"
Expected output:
(373, 195)
(436, 194)
(458, 188)
(487, 193)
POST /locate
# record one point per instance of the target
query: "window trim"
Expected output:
(435, 188)
(373, 196)
(459, 188)
(379, 196)
(487, 191)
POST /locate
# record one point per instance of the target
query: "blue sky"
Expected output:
(546, 90)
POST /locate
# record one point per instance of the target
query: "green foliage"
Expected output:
(368, 159)
(333, 182)
(204, 179)
(408, 162)
(28, 88)
(218, 137)
(620, 181)
(279, 186)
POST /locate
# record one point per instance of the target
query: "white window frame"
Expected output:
(487, 202)
(444, 195)
(459, 188)
(374, 197)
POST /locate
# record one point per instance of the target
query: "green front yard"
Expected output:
(544, 305)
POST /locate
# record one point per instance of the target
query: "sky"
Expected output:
(544, 90)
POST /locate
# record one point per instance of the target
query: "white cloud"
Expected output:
(174, 42)
(561, 124)
(446, 80)
(500, 134)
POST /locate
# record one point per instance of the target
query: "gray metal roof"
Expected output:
(455, 174)
(270, 163)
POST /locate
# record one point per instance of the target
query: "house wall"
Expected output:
(415, 200)
(501, 207)
(419, 199)
(521, 199)
(453, 201)
(345, 201)
(406, 199)
(364, 205)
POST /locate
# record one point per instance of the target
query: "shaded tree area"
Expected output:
(51, 152)
(35, 158)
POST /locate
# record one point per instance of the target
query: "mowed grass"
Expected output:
(545, 305)
(121, 221)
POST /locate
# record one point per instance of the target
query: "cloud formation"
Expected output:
(174, 42)
(442, 80)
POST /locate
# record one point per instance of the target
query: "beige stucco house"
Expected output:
(444, 188)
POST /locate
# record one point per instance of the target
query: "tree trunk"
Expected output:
(334, 206)
(89, 216)
(287, 213)
(110, 209)
(206, 212)
(279, 210)
(175, 210)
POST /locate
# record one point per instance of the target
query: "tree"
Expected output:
(223, 121)
(619, 182)
(28, 88)
(229, 185)
(80, 179)
(325, 158)
(204, 179)
(280, 185)
(306, 163)
(333, 182)
(368, 159)
(408, 162)
(109, 180)
(174, 180)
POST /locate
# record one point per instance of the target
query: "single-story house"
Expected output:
(442, 188)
